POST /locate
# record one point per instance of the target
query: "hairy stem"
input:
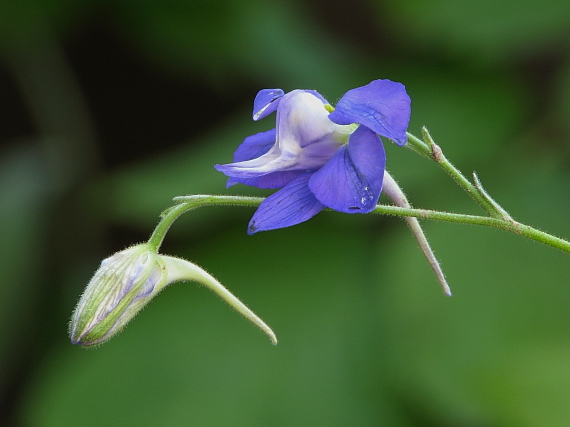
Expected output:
(187, 203)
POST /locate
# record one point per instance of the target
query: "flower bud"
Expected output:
(124, 283)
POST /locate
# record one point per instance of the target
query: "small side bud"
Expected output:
(124, 283)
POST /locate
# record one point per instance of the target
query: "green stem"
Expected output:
(502, 224)
(187, 203)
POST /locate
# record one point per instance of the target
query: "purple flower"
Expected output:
(318, 155)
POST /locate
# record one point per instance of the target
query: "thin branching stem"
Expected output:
(187, 203)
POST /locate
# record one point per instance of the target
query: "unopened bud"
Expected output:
(126, 282)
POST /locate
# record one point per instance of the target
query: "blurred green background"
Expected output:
(108, 109)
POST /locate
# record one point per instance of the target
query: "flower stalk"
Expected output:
(187, 203)
(318, 157)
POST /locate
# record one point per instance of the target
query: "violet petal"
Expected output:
(266, 102)
(382, 105)
(351, 181)
(291, 205)
(255, 145)
(271, 180)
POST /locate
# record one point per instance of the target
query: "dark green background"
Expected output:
(108, 109)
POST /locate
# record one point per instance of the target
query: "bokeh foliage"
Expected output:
(111, 108)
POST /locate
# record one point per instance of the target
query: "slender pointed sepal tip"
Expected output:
(395, 193)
